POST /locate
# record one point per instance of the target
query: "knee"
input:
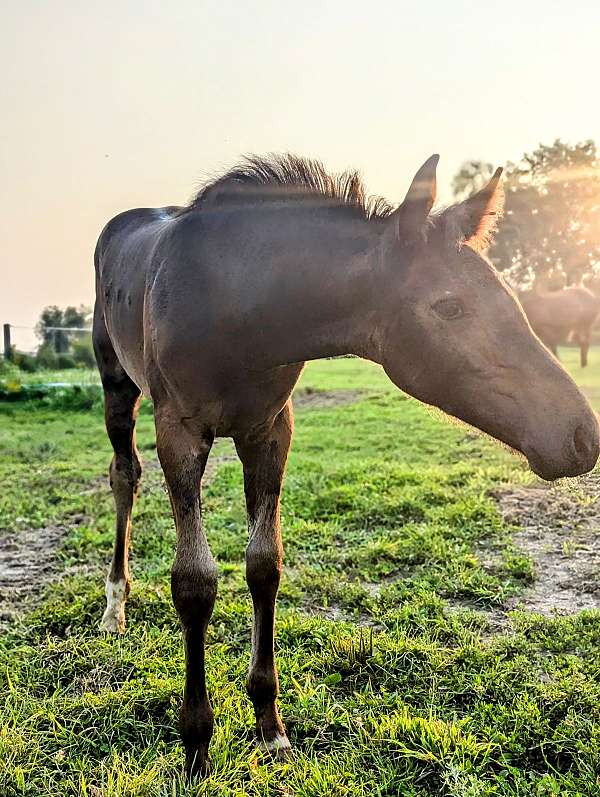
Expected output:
(125, 473)
(136, 466)
(194, 589)
(263, 565)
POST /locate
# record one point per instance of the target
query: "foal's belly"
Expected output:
(231, 403)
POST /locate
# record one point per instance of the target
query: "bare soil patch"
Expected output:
(559, 531)
(29, 558)
(307, 398)
(28, 561)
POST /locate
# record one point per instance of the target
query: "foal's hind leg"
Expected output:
(193, 577)
(264, 458)
(121, 401)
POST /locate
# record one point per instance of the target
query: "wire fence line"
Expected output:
(28, 343)
(53, 329)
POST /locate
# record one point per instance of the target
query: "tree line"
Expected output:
(62, 343)
(550, 234)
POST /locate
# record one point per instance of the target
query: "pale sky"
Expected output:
(110, 105)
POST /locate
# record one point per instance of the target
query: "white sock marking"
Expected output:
(279, 743)
(113, 619)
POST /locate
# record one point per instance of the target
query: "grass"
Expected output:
(386, 689)
(587, 378)
(76, 376)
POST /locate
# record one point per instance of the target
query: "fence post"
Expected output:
(7, 346)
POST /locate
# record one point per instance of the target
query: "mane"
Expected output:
(290, 178)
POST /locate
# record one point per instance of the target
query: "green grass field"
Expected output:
(394, 680)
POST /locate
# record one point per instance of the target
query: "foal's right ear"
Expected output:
(412, 214)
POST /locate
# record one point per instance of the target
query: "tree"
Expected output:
(471, 177)
(551, 230)
(53, 323)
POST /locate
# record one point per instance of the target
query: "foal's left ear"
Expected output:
(474, 221)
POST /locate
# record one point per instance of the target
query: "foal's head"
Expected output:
(454, 335)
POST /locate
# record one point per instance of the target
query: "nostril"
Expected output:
(582, 442)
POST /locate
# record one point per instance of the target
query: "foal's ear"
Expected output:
(474, 221)
(412, 214)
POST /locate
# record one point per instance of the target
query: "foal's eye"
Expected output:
(449, 309)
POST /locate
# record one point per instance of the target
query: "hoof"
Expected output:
(197, 765)
(279, 747)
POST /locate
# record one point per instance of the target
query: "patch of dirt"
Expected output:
(29, 558)
(307, 398)
(28, 561)
(559, 531)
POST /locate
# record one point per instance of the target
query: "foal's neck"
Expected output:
(334, 291)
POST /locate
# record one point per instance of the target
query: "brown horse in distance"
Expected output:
(211, 311)
(557, 315)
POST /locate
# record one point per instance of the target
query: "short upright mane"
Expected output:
(289, 177)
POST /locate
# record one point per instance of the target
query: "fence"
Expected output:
(30, 345)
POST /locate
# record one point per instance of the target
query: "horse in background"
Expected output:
(557, 316)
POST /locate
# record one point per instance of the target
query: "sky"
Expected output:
(111, 105)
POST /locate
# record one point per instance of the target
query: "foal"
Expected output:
(211, 310)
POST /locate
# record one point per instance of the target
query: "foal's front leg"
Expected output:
(193, 579)
(264, 459)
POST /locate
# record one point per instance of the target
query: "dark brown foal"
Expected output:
(212, 309)
(263, 457)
